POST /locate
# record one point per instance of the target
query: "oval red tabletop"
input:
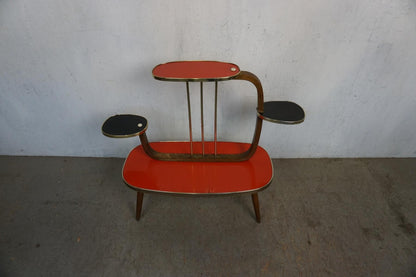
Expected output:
(195, 71)
(142, 173)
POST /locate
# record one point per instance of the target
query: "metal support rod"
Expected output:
(215, 118)
(202, 119)
(189, 117)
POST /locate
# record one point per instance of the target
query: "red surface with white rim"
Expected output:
(143, 173)
(195, 71)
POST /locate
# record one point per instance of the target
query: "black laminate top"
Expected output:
(283, 112)
(124, 125)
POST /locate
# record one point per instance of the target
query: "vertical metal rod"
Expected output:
(189, 117)
(215, 118)
(202, 119)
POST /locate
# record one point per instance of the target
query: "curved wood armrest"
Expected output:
(248, 76)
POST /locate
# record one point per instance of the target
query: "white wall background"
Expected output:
(65, 66)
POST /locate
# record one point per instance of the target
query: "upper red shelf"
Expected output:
(195, 71)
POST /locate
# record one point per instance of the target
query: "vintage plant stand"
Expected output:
(200, 167)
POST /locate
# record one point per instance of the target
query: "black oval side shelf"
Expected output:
(124, 126)
(283, 112)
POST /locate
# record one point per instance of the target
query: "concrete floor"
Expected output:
(321, 217)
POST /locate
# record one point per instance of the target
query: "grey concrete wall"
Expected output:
(65, 66)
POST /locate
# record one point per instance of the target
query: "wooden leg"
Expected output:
(139, 204)
(255, 199)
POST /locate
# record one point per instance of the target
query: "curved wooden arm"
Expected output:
(248, 76)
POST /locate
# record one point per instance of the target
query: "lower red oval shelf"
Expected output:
(140, 172)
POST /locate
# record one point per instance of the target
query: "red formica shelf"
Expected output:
(195, 71)
(143, 173)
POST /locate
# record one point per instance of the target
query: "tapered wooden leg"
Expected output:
(255, 199)
(139, 204)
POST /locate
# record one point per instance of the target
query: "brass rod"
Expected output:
(215, 118)
(189, 117)
(202, 119)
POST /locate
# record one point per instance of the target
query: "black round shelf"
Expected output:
(283, 112)
(124, 126)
